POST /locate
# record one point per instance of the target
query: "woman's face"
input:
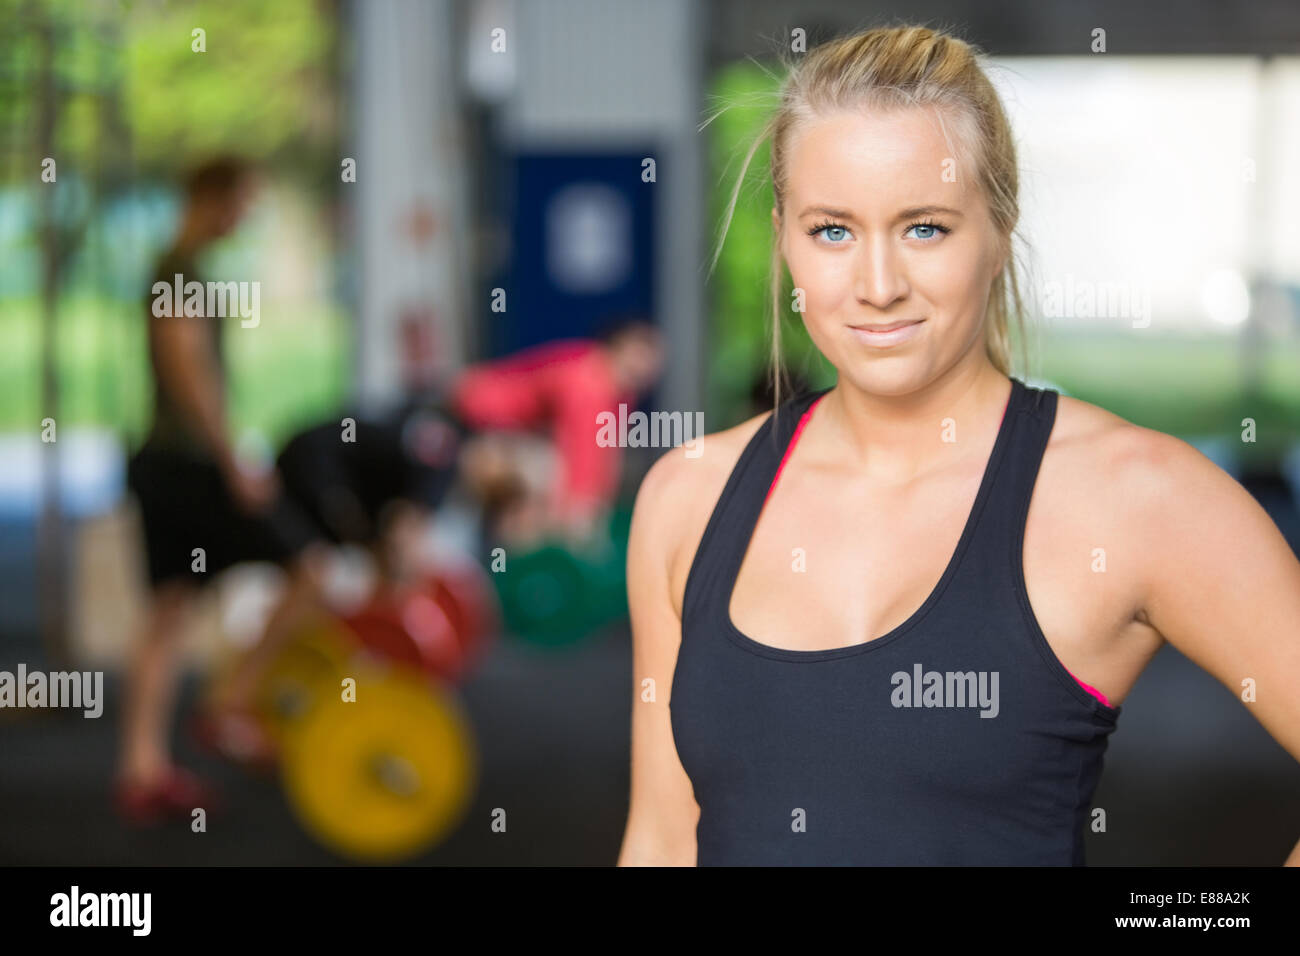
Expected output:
(863, 244)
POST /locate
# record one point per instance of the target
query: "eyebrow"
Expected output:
(911, 213)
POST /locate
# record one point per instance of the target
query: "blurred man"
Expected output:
(201, 509)
(375, 482)
(559, 388)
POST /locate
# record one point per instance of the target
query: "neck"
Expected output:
(895, 438)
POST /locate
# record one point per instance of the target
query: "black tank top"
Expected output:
(958, 738)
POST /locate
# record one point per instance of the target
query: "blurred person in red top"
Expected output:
(561, 387)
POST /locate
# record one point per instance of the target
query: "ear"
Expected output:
(1002, 263)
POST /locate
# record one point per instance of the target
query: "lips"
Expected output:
(886, 336)
(884, 328)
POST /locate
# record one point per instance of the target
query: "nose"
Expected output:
(879, 277)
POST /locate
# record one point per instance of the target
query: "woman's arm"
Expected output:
(588, 475)
(1222, 585)
(662, 812)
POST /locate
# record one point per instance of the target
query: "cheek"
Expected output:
(825, 279)
(954, 280)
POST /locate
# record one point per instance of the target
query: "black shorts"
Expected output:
(185, 505)
(344, 477)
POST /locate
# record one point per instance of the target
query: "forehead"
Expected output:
(867, 157)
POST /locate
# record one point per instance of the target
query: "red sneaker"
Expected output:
(175, 795)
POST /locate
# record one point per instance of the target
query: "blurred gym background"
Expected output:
(1157, 170)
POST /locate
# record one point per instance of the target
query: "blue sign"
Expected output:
(583, 247)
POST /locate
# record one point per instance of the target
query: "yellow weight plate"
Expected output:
(308, 667)
(385, 777)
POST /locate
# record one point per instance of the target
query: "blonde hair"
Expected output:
(890, 68)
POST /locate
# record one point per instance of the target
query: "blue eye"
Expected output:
(934, 230)
(840, 232)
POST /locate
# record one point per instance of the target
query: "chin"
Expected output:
(886, 377)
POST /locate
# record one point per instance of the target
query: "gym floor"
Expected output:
(1191, 778)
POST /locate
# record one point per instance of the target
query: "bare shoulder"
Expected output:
(1127, 468)
(1095, 440)
(678, 495)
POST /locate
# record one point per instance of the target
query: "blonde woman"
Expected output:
(875, 619)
